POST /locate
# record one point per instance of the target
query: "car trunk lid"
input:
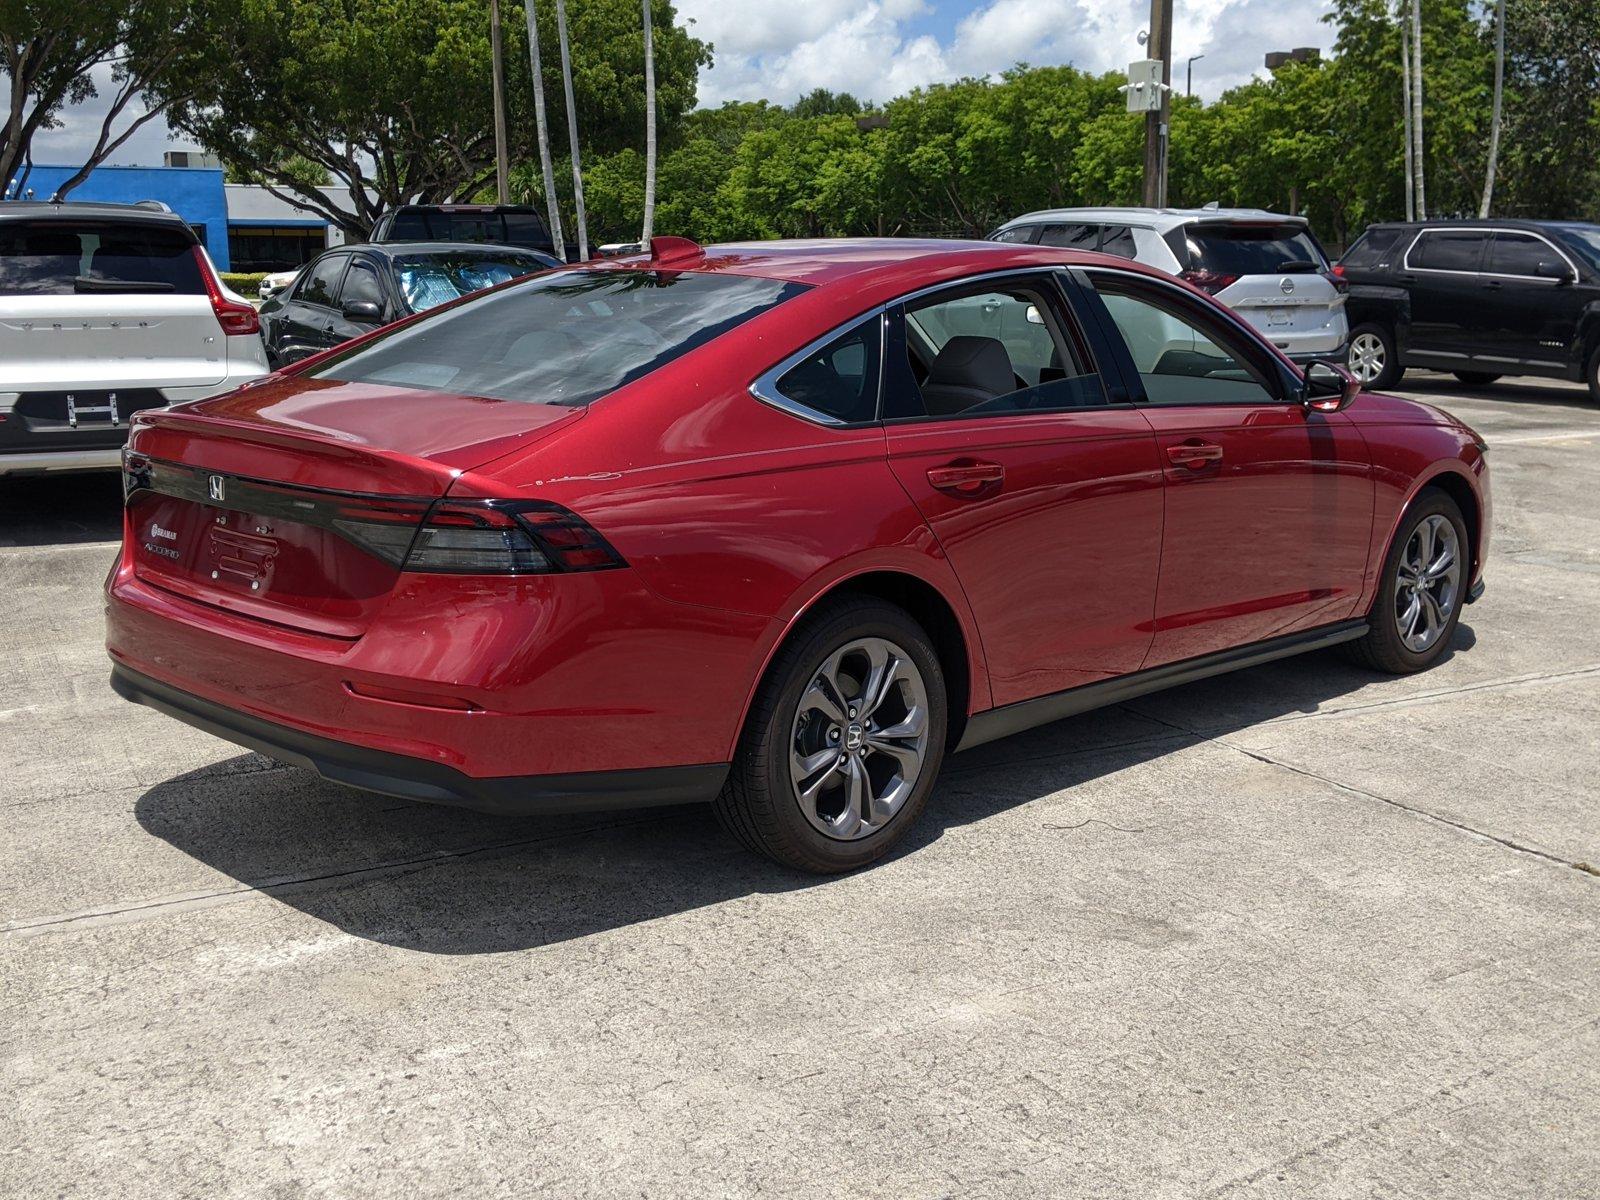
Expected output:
(295, 501)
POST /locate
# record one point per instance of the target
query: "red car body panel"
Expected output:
(1099, 556)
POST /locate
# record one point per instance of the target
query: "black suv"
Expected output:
(1480, 299)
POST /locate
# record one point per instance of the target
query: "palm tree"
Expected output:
(1418, 161)
(650, 129)
(544, 132)
(1494, 120)
(1405, 110)
(572, 129)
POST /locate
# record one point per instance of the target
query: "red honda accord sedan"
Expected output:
(776, 526)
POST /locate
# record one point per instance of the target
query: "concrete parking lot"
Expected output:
(1297, 932)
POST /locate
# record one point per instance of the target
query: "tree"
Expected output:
(394, 97)
(47, 51)
(572, 129)
(1494, 119)
(543, 130)
(1552, 118)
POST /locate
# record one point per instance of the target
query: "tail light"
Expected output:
(1335, 276)
(234, 316)
(488, 537)
(1210, 282)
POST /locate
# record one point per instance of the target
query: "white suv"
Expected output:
(106, 309)
(1266, 266)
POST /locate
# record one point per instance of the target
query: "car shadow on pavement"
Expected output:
(56, 510)
(1521, 390)
(445, 881)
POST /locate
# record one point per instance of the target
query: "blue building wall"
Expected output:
(194, 193)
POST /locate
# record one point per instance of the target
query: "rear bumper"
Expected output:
(1338, 354)
(419, 779)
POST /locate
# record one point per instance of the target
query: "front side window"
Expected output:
(429, 280)
(361, 285)
(1519, 254)
(839, 380)
(1447, 250)
(1000, 349)
(568, 337)
(1181, 357)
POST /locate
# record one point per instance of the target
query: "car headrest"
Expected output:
(974, 362)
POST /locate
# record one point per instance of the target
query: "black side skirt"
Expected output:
(418, 779)
(1025, 714)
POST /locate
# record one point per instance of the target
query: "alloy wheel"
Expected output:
(1428, 583)
(1367, 357)
(859, 739)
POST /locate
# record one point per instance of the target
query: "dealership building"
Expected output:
(243, 227)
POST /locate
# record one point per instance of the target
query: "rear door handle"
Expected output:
(967, 479)
(1491, 283)
(1194, 454)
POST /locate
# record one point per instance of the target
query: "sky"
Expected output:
(878, 49)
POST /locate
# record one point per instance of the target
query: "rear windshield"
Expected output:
(60, 258)
(428, 280)
(1252, 249)
(565, 338)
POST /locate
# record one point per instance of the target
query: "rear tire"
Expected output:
(1374, 358)
(1476, 378)
(1410, 627)
(868, 762)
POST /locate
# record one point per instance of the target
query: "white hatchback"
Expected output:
(106, 309)
(1267, 267)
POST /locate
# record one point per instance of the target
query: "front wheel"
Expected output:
(1374, 358)
(844, 740)
(1425, 576)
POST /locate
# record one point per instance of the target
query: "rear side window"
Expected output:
(566, 338)
(1118, 240)
(322, 284)
(60, 258)
(526, 229)
(1447, 250)
(841, 379)
(1371, 248)
(1252, 249)
(1074, 237)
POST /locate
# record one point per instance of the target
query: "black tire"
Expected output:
(1476, 378)
(1390, 372)
(1382, 649)
(758, 804)
(1591, 375)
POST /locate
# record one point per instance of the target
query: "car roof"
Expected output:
(1161, 219)
(1482, 223)
(865, 263)
(45, 210)
(390, 249)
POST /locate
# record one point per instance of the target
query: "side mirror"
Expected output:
(1559, 271)
(362, 310)
(1329, 387)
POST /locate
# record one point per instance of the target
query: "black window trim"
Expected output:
(1270, 366)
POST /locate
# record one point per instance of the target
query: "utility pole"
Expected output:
(1156, 121)
(502, 160)
(1405, 110)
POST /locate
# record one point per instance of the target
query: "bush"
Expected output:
(245, 283)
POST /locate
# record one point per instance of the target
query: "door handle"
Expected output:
(1194, 454)
(1491, 283)
(967, 478)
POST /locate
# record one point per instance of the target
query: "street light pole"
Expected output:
(1188, 87)
(1156, 121)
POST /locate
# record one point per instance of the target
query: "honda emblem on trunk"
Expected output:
(215, 487)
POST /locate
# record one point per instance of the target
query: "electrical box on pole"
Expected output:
(1145, 86)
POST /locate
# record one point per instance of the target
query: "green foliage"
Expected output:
(246, 283)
